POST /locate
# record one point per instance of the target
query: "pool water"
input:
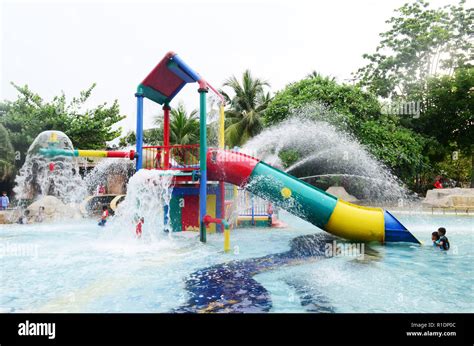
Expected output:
(80, 267)
(392, 278)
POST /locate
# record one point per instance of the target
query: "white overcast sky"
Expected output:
(56, 46)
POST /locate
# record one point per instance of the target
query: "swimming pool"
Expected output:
(391, 278)
(79, 267)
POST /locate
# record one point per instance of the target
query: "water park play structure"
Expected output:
(198, 197)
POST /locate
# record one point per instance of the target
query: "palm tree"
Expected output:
(244, 116)
(184, 127)
(318, 75)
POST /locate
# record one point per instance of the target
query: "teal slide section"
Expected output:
(307, 202)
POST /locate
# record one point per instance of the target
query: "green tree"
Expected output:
(153, 136)
(426, 56)
(396, 146)
(288, 157)
(351, 109)
(244, 116)
(316, 74)
(455, 165)
(29, 115)
(7, 156)
(449, 113)
(130, 138)
(346, 100)
(184, 126)
(421, 42)
(184, 129)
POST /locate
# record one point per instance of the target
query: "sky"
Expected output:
(56, 46)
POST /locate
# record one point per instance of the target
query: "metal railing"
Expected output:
(247, 203)
(173, 157)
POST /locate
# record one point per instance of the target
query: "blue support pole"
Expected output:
(139, 131)
(202, 163)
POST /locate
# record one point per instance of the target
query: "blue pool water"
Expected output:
(79, 267)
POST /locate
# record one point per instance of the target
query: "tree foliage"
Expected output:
(343, 99)
(29, 115)
(397, 147)
(246, 106)
(7, 156)
(184, 126)
(421, 42)
(288, 157)
(153, 136)
(184, 129)
(455, 165)
(351, 109)
(448, 114)
(426, 56)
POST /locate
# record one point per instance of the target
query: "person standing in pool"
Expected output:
(4, 201)
(104, 216)
(138, 229)
(443, 242)
(270, 214)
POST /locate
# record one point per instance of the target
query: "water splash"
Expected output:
(106, 170)
(148, 195)
(57, 176)
(341, 178)
(324, 149)
(148, 191)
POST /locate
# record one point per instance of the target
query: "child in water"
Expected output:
(435, 238)
(23, 220)
(104, 216)
(138, 229)
(270, 214)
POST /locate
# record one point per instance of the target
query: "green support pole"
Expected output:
(202, 163)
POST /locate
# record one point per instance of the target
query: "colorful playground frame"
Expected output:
(350, 221)
(221, 166)
(161, 85)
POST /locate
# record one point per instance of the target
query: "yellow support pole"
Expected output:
(227, 239)
(221, 127)
(237, 201)
(92, 153)
(236, 192)
(222, 146)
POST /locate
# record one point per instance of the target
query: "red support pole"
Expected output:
(222, 196)
(166, 136)
(122, 154)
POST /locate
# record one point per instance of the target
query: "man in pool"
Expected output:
(104, 216)
(443, 242)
